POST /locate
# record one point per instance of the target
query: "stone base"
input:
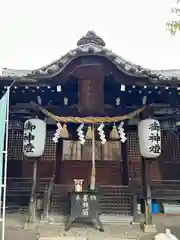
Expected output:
(135, 222)
(30, 225)
(149, 228)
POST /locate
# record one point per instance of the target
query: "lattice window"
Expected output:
(133, 154)
(176, 149)
(133, 144)
(15, 145)
(10, 145)
(50, 148)
(170, 147)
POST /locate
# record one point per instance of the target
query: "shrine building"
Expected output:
(92, 82)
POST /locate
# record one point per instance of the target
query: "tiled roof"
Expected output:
(89, 45)
(168, 72)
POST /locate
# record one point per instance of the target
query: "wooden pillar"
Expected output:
(32, 204)
(146, 191)
(145, 176)
(58, 165)
(124, 154)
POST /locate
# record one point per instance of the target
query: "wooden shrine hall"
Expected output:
(92, 81)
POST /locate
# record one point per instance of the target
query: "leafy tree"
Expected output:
(174, 26)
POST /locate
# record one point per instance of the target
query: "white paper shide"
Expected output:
(34, 137)
(149, 138)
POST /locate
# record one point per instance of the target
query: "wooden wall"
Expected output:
(107, 172)
(20, 166)
(76, 163)
(166, 167)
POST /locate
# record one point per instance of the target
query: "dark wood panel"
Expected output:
(45, 169)
(91, 88)
(165, 167)
(14, 169)
(107, 172)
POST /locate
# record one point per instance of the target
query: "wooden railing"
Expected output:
(19, 191)
(166, 190)
(113, 199)
(161, 190)
(47, 197)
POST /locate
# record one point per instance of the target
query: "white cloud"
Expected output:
(34, 33)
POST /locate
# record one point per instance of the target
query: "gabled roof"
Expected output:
(89, 45)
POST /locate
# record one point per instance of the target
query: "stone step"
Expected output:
(116, 219)
(105, 219)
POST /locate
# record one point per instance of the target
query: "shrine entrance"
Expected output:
(89, 81)
(75, 162)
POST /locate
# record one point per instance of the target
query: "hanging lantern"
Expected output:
(64, 131)
(149, 138)
(144, 100)
(89, 133)
(34, 137)
(118, 100)
(114, 133)
(66, 101)
(123, 87)
(39, 100)
(58, 88)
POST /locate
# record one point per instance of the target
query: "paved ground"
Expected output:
(15, 230)
(163, 222)
(114, 232)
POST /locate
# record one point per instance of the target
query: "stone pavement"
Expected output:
(13, 234)
(15, 230)
(75, 233)
(163, 222)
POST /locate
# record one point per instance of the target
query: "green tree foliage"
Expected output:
(174, 26)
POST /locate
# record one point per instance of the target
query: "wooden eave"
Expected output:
(88, 46)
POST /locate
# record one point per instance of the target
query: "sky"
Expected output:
(33, 33)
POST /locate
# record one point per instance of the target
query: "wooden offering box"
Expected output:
(84, 205)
